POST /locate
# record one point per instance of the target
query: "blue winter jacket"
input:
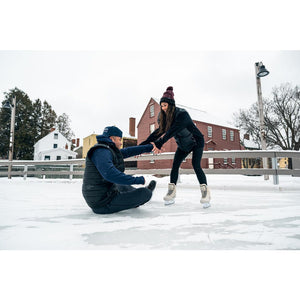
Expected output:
(103, 160)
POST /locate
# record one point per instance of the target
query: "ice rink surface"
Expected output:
(246, 213)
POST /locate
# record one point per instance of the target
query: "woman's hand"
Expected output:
(155, 149)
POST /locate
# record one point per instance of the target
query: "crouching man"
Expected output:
(106, 189)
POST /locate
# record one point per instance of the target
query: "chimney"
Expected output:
(73, 141)
(52, 129)
(77, 143)
(132, 126)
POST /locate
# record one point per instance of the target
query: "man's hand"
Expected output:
(155, 149)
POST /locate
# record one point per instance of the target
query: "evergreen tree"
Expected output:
(4, 131)
(47, 119)
(24, 126)
(33, 121)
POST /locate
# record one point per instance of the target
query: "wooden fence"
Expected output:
(40, 167)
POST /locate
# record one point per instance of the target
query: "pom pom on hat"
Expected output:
(168, 96)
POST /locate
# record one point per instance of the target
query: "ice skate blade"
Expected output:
(206, 205)
(169, 202)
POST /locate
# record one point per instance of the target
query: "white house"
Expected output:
(53, 146)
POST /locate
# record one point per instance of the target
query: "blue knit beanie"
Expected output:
(112, 131)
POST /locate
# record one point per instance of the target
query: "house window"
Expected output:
(47, 157)
(58, 157)
(56, 136)
(70, 157)
(209, 131)
(225, 161)
(152, 127)
(233, 160)
(224, 134)
(232, 135)
(151, 110)
(54, 145)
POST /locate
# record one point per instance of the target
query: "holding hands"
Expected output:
(155, 149)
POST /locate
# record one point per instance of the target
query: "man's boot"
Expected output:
(151, 186)
(205, 193)
(171, 194)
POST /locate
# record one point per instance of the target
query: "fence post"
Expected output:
(25, 172)
(275, 167)
(71, 170)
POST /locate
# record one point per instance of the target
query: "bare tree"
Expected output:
(281, 118)
(63, 124)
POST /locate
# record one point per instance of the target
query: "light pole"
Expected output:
(12, 131)
(261, 71)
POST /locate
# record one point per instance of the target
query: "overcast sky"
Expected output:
(100, 88)
(100, 63)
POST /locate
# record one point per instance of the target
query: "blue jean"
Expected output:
(129, 197)
(196, 162)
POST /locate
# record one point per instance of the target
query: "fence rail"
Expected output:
(274, 155)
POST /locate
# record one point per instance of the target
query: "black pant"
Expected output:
(196, 162)
(129, 197)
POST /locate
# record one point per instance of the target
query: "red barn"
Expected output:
(217, 136)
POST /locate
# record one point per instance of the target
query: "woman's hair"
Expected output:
(166, 119)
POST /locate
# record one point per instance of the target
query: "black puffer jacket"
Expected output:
(183, 129)
(97, 191)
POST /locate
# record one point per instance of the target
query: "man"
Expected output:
(106, 188)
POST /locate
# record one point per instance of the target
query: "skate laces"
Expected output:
(203, 191)
(170, 192)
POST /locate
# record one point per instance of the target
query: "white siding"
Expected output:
(45, 147)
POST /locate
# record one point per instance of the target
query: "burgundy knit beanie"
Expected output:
(168, 96)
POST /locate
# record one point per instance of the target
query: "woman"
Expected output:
(176, 122)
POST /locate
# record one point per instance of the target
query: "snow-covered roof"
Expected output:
(250, 144)
(203, 116)
(52, 132)
(127, 135)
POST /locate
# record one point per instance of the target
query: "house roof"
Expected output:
(128, 136)
(199, 115)
(146, 109)
(54, 131)
(250, 144)
(203, 116)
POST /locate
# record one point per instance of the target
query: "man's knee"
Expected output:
(146, 195)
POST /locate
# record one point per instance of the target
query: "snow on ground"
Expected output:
(247, 213)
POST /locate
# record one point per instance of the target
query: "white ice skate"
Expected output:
(171, 194)
(205, 192)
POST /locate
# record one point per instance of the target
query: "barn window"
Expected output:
(151, 110)
(224, 134)
(232, 135)
(209, 131)
(152, 127)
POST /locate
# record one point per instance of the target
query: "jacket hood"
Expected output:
(104, 139)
